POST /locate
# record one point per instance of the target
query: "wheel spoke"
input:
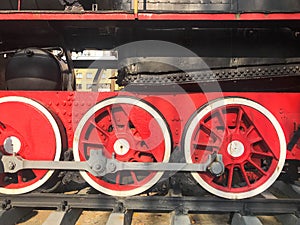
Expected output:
(257, 167)
(220, 117)
(134, 178)
(255, 140)
(239, 119)
(244, 173)
(20, 177)
(139, 128)
(230, 176)
(112, 118)
(135, 130)
(104, 132)
(208, 131)
(250, 129)
(210, 178)
(141, 146)
(87, 142)
(118, 178)
(124, 117)
(204, 146)
(265, 154)
(125, 123)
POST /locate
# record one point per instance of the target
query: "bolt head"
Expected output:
(216, 168)
(111, 167)
(98, 168)
(11, 165)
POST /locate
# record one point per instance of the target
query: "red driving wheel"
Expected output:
(27, 129)
(248, 137)
(132, 131)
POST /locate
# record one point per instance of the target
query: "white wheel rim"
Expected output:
(57, 135)
(134, 102)
(246, 102)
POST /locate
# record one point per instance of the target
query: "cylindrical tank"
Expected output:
(33, 69)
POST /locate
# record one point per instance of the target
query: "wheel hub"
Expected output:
(12, 145)
(235, 148)
(121, 146)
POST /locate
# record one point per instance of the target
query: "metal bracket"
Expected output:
(294, 140)
(99, 165)
(180, 218)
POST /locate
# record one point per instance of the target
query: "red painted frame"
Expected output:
(271, 117)
(71, 106)
(118, 15)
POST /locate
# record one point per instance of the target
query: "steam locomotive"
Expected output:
(210, 99)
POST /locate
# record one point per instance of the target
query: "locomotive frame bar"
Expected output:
(208, 204)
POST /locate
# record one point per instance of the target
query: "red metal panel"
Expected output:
(219, 16)
(65, 16)
(70, 106)
(13, 15)
(250, 130)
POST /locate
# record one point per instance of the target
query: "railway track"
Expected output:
(280, 204)
(138, 218)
